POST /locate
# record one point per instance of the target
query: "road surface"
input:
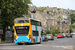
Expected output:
(56, 44)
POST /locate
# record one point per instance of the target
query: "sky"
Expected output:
(55, 3)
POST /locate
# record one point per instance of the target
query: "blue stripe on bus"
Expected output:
(42, 38)
(35, 39)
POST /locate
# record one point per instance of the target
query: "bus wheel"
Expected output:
(20, 43)
(40, 41)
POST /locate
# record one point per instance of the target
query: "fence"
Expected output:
(9, 36)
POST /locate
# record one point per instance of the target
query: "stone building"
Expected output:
(50, 21)
(64, 23)
(47, 21)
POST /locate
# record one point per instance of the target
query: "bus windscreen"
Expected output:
(22, 31)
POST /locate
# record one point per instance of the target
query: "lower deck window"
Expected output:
(35, 33)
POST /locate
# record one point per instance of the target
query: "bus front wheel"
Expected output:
(20, 43)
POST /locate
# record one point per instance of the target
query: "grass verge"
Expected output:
(2, 41)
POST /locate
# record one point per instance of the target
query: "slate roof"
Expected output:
(47, 16)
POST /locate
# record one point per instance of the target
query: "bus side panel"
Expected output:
(33, 29)
(36, 28)
(39, 30)
(41, 34)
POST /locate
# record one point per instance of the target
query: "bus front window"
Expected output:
(22, 21)
(22, 31)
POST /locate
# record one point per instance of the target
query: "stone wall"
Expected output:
(0, 40)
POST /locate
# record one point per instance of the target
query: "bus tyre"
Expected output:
(20, 44)
(40, 41)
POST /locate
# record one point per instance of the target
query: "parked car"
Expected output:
(45, 38)
(69, 35)
(73, 33)
(50, 37)
(60, 35)
(65, 34)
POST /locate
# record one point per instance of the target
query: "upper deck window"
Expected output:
(26, 21)
(22, 21)
(33, 22)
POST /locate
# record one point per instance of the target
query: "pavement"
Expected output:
(13, 43)
(56, 44)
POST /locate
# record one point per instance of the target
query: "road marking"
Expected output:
(36, 45)
(65, 47)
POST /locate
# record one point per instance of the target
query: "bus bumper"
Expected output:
(29, 41)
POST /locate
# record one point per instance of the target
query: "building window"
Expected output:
(44, 22)
(53, 23)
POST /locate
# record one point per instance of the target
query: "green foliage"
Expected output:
(11, 9)
(72, 18)
(73, 10)
(48, 13)
(66, 32)
(2, 41)
(42, 9)
(43, 33)
(59, 17)
(73, 26)
(48, 32)
(55, 31)
(71, 30)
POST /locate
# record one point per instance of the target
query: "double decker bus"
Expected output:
(27, 30)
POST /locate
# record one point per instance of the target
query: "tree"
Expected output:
(55, 31)
(48, 13)
(43, 33)
(11, 9)
(59, 17)
(73, 26)
(66, 32)
(72, 18)
(42, 9)
(71, 30)
(48, 32)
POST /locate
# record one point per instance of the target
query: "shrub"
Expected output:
(55, 31)
(48, 32)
